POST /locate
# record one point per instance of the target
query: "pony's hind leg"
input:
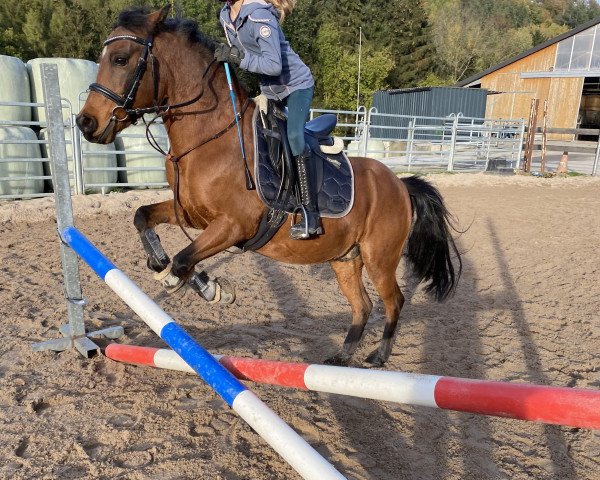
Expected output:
(382, 271)
(349, 277)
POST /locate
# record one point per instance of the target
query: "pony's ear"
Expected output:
(158, 17)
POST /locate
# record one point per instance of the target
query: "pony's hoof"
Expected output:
(224, 292)
(340, 359)
(376, 359)
(168, 280)
(227, 291)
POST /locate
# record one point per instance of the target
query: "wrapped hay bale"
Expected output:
(93, 156)
(74, 77)
(138, 154)
(354, 149)
(376, 149)
(21, 161)
(14, 87)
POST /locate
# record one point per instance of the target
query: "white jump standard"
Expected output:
(285, 441)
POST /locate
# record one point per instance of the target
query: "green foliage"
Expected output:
(405, 43)
(472, 35)
(434, 80)
(206, 13)
(578, 12)
(337, 70)
(402, 27)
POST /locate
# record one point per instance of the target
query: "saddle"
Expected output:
(275, 173)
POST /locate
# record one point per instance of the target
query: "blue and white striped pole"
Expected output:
(285, 441)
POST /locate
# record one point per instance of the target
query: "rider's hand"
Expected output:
(225, 53)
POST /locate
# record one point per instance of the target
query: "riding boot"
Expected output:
(310, 223)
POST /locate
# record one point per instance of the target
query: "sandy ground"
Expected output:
(526, 310)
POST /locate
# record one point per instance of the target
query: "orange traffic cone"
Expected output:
(562, 165)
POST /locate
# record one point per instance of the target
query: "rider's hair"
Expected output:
(284, 7)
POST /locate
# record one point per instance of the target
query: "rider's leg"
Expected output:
(298, 103)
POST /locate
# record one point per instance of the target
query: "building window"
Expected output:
(582, 51)
(579, 52)
(596, 51)
(563, 54)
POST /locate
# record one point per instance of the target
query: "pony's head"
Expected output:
(127, 77)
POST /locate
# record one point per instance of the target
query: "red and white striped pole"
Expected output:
(556, 405)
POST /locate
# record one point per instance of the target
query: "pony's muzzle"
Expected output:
(87, 124)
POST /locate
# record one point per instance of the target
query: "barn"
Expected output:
(564, 70)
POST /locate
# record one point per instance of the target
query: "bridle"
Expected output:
(124, 103)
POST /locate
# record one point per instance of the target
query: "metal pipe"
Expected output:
(575, 407)
(282, 438)
(77, 157)
(453, 145)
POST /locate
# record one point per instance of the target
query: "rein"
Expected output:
(175, 160)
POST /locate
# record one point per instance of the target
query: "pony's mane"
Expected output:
(136, 19)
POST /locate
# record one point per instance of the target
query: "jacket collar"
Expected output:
(248, 7)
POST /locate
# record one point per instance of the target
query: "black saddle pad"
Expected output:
(335, 177)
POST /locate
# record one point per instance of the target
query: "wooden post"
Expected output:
(544, 137)
(530, 134)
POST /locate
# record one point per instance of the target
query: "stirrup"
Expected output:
(298, 231)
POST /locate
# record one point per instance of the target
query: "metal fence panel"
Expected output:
(453, 143)
(24, 163)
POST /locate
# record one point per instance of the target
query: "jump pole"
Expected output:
(281, 437)
(555, 405)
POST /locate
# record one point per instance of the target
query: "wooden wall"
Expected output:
(563, 94)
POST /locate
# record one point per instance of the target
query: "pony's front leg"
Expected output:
(146, 218)
(220, 234)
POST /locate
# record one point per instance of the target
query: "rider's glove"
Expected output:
(225, 53)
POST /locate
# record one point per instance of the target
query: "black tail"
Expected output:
(430, 245)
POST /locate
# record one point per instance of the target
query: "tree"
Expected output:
(401, 26)
(546, 31)
(457, 36)
(301, 29)
(205, 12)
(36, 29)
(472, 36)
(578, 12)
(337, 70)
(415, 42)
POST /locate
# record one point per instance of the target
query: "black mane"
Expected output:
(136, 19)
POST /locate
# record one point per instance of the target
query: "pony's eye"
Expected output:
(120, 61)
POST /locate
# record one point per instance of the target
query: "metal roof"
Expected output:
(537, 48)
(395, 91)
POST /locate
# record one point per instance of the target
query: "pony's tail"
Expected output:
(430, 244)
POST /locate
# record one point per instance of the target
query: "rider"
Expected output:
(257, 44)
